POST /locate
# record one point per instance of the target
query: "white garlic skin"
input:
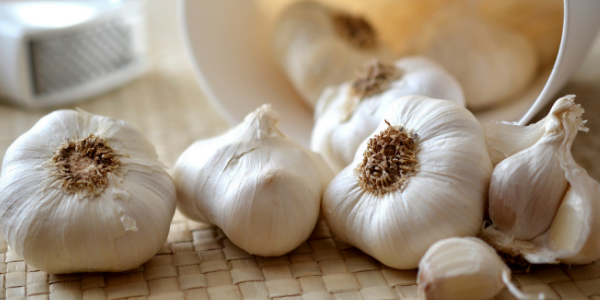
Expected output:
(461, 269)
(491, 62)
(311, 52)
(445, 198)
(341, 127)
(261, 188)
(58, 232)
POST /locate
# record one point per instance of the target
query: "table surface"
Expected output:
(198, 261)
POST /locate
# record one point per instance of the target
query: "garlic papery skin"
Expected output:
(464, 269)
(419, 179)
(261, 188)
(84, 193)
(318, 47)
(350, 112)
(572, 222)
(491, 62)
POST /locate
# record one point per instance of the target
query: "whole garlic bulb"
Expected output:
(348, 113)
(318, 47)
(422, 176)
(491, 62)
(464, 269)
(543, 205)
(260, 187)
(84, 193)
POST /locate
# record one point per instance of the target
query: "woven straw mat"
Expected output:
(198, 261)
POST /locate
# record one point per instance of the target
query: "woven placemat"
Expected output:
(198, 261)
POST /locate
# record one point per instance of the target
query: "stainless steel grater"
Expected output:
(52, 62)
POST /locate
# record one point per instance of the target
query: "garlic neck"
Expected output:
(374, 78)
(262, 122)
(355, 30)
(389, 161)
(83, 166)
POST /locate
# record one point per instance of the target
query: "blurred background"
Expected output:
(164, 101)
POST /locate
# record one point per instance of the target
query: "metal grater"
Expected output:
(68, 60)
(50, 65)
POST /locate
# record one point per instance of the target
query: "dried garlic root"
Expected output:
(347, 114)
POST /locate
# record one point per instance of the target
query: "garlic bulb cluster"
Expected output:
(491, 62)
(542, 204)
(348, 113)
(422, 176)
(84, 193)
(318, 47)
(261, 188)
(464, 269)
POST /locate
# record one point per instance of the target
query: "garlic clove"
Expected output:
(348, 113)
(433, 188)
(527, 188)
(262, 189)
(573, 219)
(492, 62)
(464, 269)
(319, 47)
(84, 193)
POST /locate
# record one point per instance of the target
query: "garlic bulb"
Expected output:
(260, 187)
(84, 193)
(347, 114)
(422, 176)
(491, 62)
(464, 269)
(318, 47)
(543, 205)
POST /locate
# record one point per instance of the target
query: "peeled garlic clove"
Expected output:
(84, 193)
(491, 62)
(347, 114)
(318, 46)
(419, 179)
(464, 269)
(261, 188)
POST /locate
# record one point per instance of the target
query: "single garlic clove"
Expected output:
(464, 269)
(492, 62)
(84, 193)
(574, 218)
(261, 188)
(349, 113)
(527, 188)
(319, 47)
(418, 179)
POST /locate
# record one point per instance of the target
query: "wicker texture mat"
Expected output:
(198, 261)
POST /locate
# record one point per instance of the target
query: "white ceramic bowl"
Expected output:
(228, 43)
